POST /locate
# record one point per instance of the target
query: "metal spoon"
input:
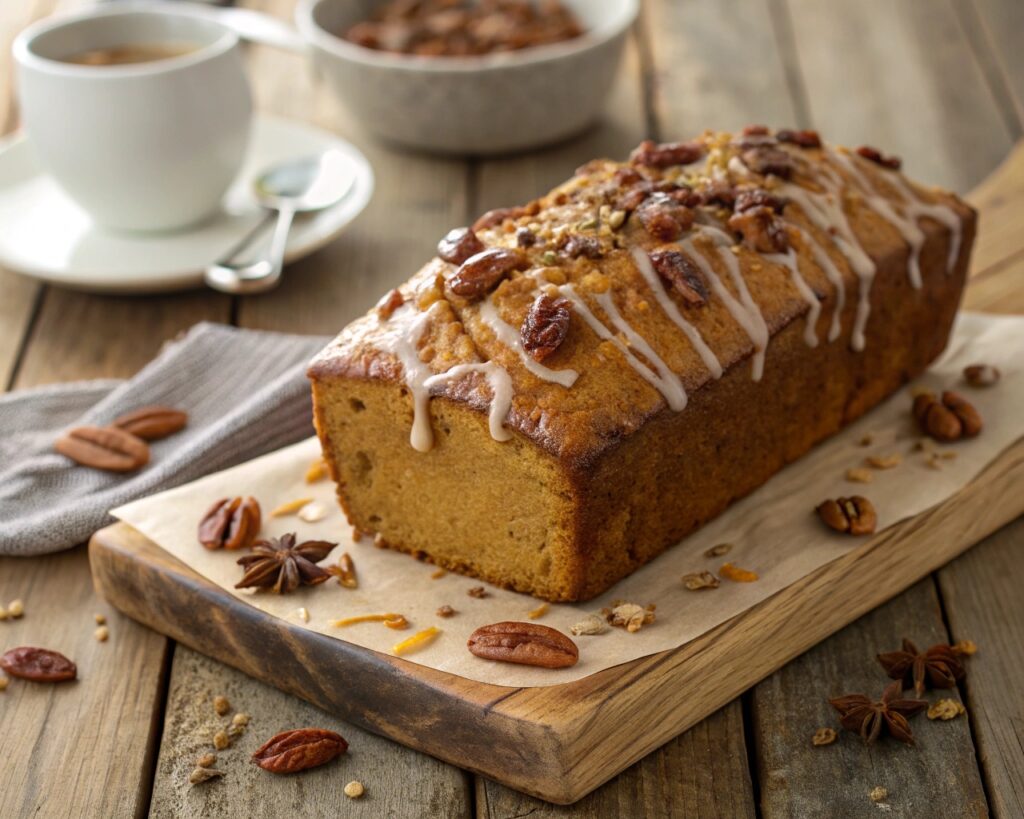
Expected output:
(296, 186)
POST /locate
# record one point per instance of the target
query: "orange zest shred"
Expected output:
(540, 611)
(418, 640)
(438, 574)
(317, 471)
(736, 574)
(397, 623)
(290, 507)
(370, 618)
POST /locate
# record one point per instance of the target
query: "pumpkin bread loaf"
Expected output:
(574, 385)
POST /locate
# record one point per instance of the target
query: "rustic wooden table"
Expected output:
(940, 82)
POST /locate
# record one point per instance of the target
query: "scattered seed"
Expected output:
(438, 574)
(221, 740)
(629, 616)
(317, 471)
(923, 445)
(446, 611)
(718, 550)
(3, 682)
(859, 475)
(824, 736)
(946, 455)
(353, 790)
(100, 619)
(946, 709)
(934, 462)
(221, 705)
(289, 508)
(867, 440)
(101, 634)
(591, 624)
(16, 609)
(736, 574)
(538, 612)
(884, 461)
(478, 592)
(240, 718)
(965, 647)
(549, 257)
(3, 613)
(200, 775)
(312, 512)
(303, 614)
(879, 794)
(981, 375)
(207, 761)
(356, 535)
(346, 572)
(616, 218)
(700, 580)
(235, 731)
(417, 640)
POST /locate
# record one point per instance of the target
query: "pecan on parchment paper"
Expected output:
(525, 644)
(231, 523)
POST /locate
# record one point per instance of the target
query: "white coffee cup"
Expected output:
(145, 146)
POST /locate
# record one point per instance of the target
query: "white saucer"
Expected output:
(46, 235)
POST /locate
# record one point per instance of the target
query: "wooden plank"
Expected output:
(398, 782)
(983, 602)
(557, 742)
(700, 773)
(86, 744)
(717, 65)
(938, 777)
(900, 76)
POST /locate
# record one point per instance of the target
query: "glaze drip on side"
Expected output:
(501, 392)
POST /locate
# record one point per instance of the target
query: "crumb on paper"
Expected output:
(302, 613)
(591, 624)
(889, 461)
(858, 474)
(694, 581)
(289, 508)
(629, 616)
(446, 611)
(437, 574)
(538, 612)
(316, 471)
(312, 512)
(946, 709)
(718, 550)
(479, 592)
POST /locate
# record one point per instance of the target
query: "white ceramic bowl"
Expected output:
(497, 103)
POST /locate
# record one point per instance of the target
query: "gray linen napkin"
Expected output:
(245, 392)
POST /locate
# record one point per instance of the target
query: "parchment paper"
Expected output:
(774, 532)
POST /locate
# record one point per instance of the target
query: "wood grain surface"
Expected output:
(958, 82)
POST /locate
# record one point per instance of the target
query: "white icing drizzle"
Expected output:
(745, 311)
(710, 360)
(825, 211)
(789, 259)
(824, 261)
(943, 214)
(509, 336)
(501, 392)
(668, 384)
(400, 335)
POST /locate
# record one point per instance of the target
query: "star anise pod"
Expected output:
(938, 667)
(858, 713)
(282, 566)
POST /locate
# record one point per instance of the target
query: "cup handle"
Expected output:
(254, 26)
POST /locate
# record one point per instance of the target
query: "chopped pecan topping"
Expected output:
(664, 218)
(718, 192)
(765, 159)
(575, 246)
(499, 215)
(525, 237)
(804, 138)
(391, 301)
(853, 516)
(758, 197)
(625, 176)
(684, 276)
(755, 130)
(948, 419)
(666, 154)
(525, 644)
(761, 229)
(631, 199)
(458, 245)
(231, 523)
(481, 273)
(894, 163)
(545, 327)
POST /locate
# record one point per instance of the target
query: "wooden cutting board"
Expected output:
(561, 742)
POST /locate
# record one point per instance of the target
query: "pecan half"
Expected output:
(684, 276)
(764, 159)
(108, 448)
(666, 154)
(576, 246)
(750, 198)
(761, 230)
(755, 130)
(499, 215)
(524, 643)
(545, 326)
(893, 163)
(152, 423)
(231, 523)
(525, 237)
(664, 218)
(481, 273)
(38, 664)
(299, 749)
(718, 192)
(982, 375)
(389, 302)
(458, 245)
(948, 418)
(805, 138)
(854, 515)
